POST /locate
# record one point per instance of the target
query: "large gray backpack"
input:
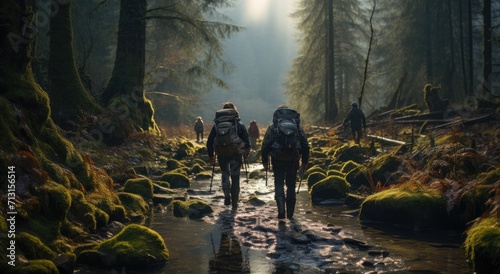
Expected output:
(286, 139)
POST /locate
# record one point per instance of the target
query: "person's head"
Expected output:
(282, 106)
(354, 104)
(253, 122)
(199, 118)
(229, 105)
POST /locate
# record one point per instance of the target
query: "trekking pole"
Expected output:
(301, 177)
(212, 179)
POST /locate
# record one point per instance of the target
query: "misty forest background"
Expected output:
(188, 57)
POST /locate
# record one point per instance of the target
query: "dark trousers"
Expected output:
(230, 167)
(356, 135)
(198, 133)
(285, 174)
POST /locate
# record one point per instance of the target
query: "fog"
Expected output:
(261, 55)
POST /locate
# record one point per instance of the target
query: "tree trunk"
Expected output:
(487, 61)
(332, 113)
(462, 50)
(428, 42)
(470, 51)
(68, 96)
(125, 91)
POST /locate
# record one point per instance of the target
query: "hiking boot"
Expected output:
(290, 208)
(235, 202)
(280, 202)
(227, 200)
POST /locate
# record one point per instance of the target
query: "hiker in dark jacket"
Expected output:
(358, 122)
(198, 128)
(285, 166)
(230, 164)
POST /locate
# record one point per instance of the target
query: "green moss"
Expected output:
(314, 178)
(408, 205)
(331, 187)
(110, 204)
(83, 211)
(174, 164)
(39, 267)
(133, 203)
(335, 173)
(55, 201)
(315, 168)
(3, 224)
(203, 175)
(72, 230)
(136, 247)
(140, 186)
(32, 247)
(197, 168)
(348, 166)
(482, 245)
(346, 153)
(193, 209)
(176, 180)
(162, 184)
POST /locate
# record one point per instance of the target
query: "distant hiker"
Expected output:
(432, 99)
(229, 139)
(358, 122)
(253, 133)
(286, 142)
(198, 128)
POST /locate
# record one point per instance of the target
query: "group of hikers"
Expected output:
(285, 143)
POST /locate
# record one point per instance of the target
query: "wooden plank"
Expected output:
(387, 140)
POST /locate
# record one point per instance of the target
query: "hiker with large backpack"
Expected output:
(286, 142)
(228, 139)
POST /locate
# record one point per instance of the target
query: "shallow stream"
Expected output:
(320, 239)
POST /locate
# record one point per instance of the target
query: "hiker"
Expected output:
(229, 140)
(198, 128)
(286, 142)
(358, 122)
(253, 133)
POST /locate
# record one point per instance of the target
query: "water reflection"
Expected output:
(229, 258)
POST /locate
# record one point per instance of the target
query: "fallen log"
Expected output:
(423, 116)
(465, 122)
(387, 140)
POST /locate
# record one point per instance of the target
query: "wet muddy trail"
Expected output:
(321, 239)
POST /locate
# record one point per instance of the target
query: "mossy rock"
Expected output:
(135, 247)
(255, 201)
(140, 186)
(255, 174)
(314, 168)
(176, 180)
(354, 153)
(335, 173)
(38, 267)
(416, 207)
(163, 184)
(32, 247)
(332, 187)
(83, 211)
(174, 164)
(357, 177)
(134, 203)
(205, 175)
(182, 170)
(482, 245)
(55, 201)
(185, 149)
(382, 166)
(348, 166)
(109, 204)
(197, 168)
(194, 209)
(314, 178)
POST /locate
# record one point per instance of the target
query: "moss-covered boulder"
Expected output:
(176, 180)
(354, 153)
(409, 205)
(197, 168)
(255, 201)
(194, 209)
(330, 188)
(483, 245)
(314, 168)
(348, 166)
(55, 201)
(135, 247)
(185, 149)
(314, 178)
(38, 267)
(205, 175)
(134, 204)
(140, 186)
(32, 247)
